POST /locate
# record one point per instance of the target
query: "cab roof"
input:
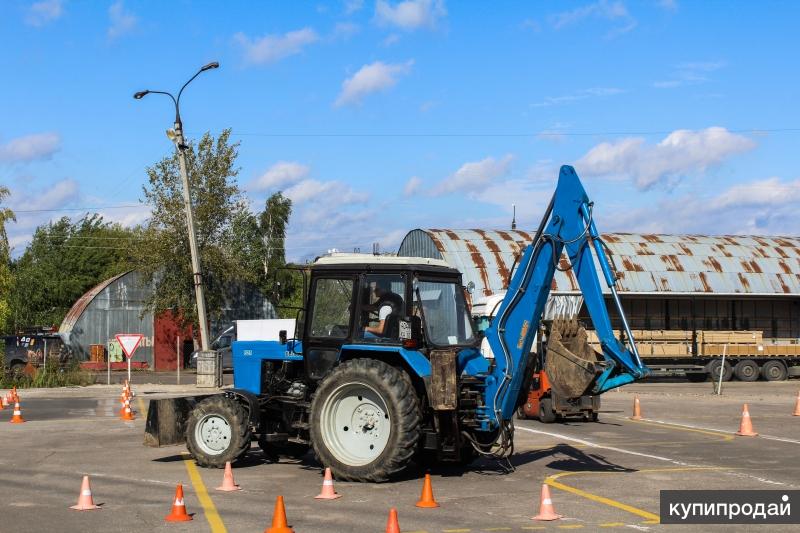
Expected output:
(381, 262)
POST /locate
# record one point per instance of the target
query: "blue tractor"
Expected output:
(385, 367)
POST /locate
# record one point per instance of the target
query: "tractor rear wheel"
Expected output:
(365, 421)
(218, 431)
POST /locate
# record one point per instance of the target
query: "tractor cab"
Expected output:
(368, 303)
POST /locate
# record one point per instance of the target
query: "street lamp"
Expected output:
(176, 136)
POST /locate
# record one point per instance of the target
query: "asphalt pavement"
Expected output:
(603, 476)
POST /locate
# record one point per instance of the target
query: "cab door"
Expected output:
(330, 322)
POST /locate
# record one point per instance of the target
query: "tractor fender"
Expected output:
(250, 403)
(416, 365)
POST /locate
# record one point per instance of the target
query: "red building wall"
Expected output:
(166, 331)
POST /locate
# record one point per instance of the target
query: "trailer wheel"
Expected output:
(746, 370)
(218, 431)
(546, 413)
(774, 371)
(715, 367)
(365, 421)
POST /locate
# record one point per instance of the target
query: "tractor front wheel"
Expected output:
(365, 421)
(218, 431)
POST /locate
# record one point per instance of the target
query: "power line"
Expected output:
(74, 209)
(543, 133)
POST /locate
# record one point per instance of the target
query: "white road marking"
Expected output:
(650, 456)
(603, 446)
(726, 432)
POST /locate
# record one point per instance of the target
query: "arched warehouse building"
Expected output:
(689, 285)
(117, 306)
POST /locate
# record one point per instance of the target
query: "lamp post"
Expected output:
(176, 136)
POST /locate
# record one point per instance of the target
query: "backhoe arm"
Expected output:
(575, 367)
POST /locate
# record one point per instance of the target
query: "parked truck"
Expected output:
(385, 368)
(699, 354)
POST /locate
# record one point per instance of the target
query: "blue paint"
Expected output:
(418, 362)
(248, 355)
(568, 225)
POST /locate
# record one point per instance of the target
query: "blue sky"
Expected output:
(377, 117)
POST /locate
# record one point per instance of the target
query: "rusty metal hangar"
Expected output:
(690, 288)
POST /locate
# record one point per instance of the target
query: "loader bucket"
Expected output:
(572, 365)
(166, 421)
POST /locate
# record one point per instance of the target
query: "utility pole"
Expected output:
(176, 136)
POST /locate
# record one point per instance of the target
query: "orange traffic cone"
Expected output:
(546, 509)
(85, 501)
(178, 513)
(126, 413)
(746, 426)
(426, 499)
(16, 418)
(797, 405)
(14, 394)
(228, 484)
(637, 409)
(392, 525)
(328, 492)
(279, 524)
(5, 400)
(3, 403)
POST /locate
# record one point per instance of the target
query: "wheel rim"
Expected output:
(773, 372)
(213, 434)
(748, 371)
(355, 424)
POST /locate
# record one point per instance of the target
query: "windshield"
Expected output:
(444, 313)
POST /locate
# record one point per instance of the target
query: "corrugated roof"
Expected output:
(83, 302)
(646, 263)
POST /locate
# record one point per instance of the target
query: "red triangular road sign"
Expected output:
(129, 342)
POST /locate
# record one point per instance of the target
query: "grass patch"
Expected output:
(48, 376)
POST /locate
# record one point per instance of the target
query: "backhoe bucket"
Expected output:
(572, 365)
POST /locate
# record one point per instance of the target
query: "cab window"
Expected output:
(332, 304)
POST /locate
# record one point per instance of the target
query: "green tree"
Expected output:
(223, 224)
(260, 245)
(283, 286)
(63, 261)
(6, 215)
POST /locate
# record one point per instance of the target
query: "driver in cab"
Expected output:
(387, 303)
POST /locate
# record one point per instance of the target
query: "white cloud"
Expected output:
(351, 6)
(272, 48)
(375, 77)
(280, 174)
(345, 30)
(689, 74)
(391, 39)
(761, 207)
(475, 175)
(770, 192)
(614, 11)
(122, 21)
(60, 194)
(668, 5)
(30, 148)
(41, 13)
(680, 153)
(410, 14)
(579, 95)
(412, 186)
(326, 191)
(54, 201)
